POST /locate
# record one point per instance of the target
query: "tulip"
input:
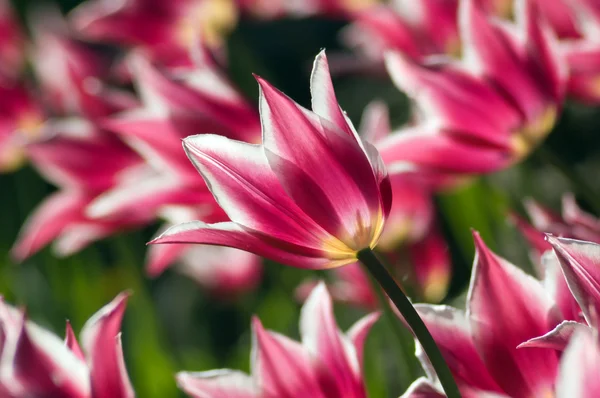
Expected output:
(11, 42)
(505, 307)
(313, 204)
(35, 362)
(510, 119)
(326, 364)
(164, 31)
(83, 161)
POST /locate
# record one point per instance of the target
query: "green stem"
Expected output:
(412, 318)
(407, 373)
(581, 186)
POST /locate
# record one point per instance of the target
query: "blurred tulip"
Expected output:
(269, 9)
(73, 74)
(312, 195)
(164, 31)
(573, 222)
(578, 378)
(327, 364)
(511, 84)
(11, 42)
(34, 362)
(21, 119)
(505, 308)
(82, 161)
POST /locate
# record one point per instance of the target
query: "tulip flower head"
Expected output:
(312, 195)
(326, 364)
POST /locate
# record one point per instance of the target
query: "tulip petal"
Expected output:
(423, 388)
(233, 235)
(507, 307)
(45, 367)
(358, 334)
(247, 190)
(221, 383)
(451, 330)
(578, 368)
(336, 361)
(432, 266)
(282, 367)
(160, 257)
(556, 285)
(456, 100)
(71, 342)
(557, 338)
(100, 337)
(323, 170)
(580, 262)
(48, 221)
(324, 101)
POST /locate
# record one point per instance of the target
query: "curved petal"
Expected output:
(281, 366)
(507, 307)
(326, 172)
(451, 330)
(580, 262)
(160, 257)
(557, 338)
(335, 360)
(221, 383)
(247, 190)
(101, 341)
(233, 235)
(358, 334)
(556, 285)
(71, 342)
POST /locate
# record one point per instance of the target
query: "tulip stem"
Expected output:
(412, 318)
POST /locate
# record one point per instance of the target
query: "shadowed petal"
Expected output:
(556, 285)
(580, 262)
(233, 235)
(507, 307)
(451, 330)
(100, 338)
(221, 383)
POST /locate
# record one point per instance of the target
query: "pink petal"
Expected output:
(375, 122)
(451, 330)
(578, 368)
(71, 342)
(336, 365)
(324, 101)
(432, 149)
(580, 264)
(48, 221)
(225, 271)
(352, 286)
(324, 170)
(281, 366)
(160, 257)
(100, 337)
(507, 307)
(233, 235)
(239, 177)
(456, 100)
(45, 367)
(556, 285)
(557, 338)
(222, 383)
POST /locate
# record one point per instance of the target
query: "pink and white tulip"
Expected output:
(35, 362)
(312, 195)
(505, 307)
(510, 74)
(83, 161)
(164, 31)
(326, 364)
